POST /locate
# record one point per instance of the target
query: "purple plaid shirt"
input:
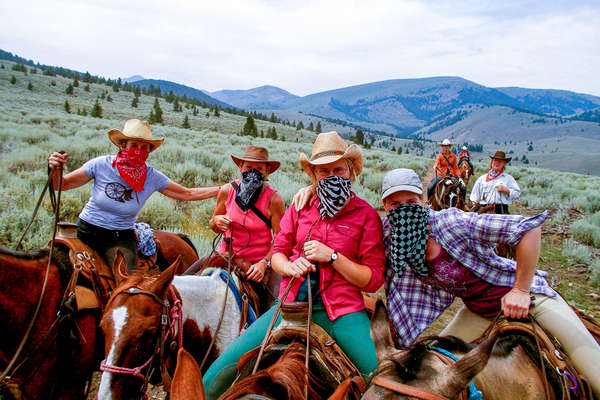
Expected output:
(469, 238)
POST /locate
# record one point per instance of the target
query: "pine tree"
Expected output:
(108, 98)
(176, 106)
(152, 118)
(359, 138)
(273, 118)
(134, 102)
(311, 127)
(318, 129)
(207, 114)
(96, 110)
(299, 126)
(217, 113)
(158, 113)
(52, 83)
(186, 122)
(29, 86)
(69, 89)
(84, 112)
(195, 111)
(75, 83)
(249, 128)
(67, 107)
(115, 87)
(86, 88)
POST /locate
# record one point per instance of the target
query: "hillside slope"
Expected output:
(180, 90)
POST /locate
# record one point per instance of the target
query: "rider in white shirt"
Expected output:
(496, 187)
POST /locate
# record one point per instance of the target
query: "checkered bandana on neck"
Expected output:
(333, 193)
(408, 241)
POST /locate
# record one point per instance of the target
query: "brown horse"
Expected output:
(61, 352)
(58, 357)
(500, 369)
(447, 194)
(465, 171)
(133, 324)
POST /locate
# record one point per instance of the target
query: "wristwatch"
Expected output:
(334, 256)
(268, 262)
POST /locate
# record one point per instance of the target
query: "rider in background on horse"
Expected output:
(435, 256)
(465, 156)
(496, 187)
(255, 210)
(122, 184)
(445, 164)
(336, 242)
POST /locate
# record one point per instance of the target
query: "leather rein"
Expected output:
(171, 322)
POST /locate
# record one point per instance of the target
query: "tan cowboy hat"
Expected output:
(446, 142)
(135, 129)
(330, 147)
(256, 154)
(500, 155)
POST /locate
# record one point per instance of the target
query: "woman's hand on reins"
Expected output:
(256, 272)
(515, 304)
(56, 159)
(317, 252)
(301, 266)
(222, 222)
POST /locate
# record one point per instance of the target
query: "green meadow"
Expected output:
(34, 122)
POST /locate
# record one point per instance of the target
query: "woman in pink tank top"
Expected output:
(248, 211)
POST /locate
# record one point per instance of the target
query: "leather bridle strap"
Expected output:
(401, 388)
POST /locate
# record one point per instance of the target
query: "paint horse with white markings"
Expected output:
(148, 318)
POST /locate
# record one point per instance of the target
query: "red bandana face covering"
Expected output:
(492, 175)
(131, 165)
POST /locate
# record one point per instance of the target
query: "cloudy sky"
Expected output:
(311, 46)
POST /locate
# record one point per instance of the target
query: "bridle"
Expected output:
(173, 329)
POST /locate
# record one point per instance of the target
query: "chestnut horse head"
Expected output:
(58, 356)
(284, 378)
(465, 171)
(421, 372)
(135, 339)
(447, 194)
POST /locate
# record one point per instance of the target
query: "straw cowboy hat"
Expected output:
(330, 147)
(500, 155)
(135, 129)
(256, 154)
(464, 147)
(446, 142)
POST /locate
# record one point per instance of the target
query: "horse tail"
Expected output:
(187, 239)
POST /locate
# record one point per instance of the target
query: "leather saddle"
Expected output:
(98, 275)
(560, 373)
(328, 360)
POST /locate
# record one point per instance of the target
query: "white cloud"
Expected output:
(312, 46)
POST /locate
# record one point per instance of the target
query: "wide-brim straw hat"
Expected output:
(330, 147)
(135, 129)
(256, 154)
(446, 142)
(500, 155)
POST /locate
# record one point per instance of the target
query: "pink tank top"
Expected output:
(251, 237)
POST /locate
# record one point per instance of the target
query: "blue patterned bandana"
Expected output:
(408, 241)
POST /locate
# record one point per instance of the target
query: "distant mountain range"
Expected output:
(405, 106)
(180, 90)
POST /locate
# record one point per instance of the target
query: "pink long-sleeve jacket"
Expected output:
(354, 232)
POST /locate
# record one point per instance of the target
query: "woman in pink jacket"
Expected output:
(337, 243)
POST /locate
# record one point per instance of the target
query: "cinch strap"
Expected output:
(225, 277)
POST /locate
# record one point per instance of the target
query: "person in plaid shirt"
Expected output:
(435, 256)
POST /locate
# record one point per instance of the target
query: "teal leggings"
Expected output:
(351, 332)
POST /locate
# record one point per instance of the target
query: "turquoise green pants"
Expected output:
(351, 332)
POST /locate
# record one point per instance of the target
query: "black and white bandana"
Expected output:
(333, 193)
(408, 241)
(249, 189)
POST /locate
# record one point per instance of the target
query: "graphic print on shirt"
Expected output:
(119, 192)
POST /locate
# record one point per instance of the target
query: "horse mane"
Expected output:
(187, 239)
(283, 379)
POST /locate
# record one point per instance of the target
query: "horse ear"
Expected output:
(187, 380)
(160, 286)
(470, 365)
(120, 267)
(380, 332)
